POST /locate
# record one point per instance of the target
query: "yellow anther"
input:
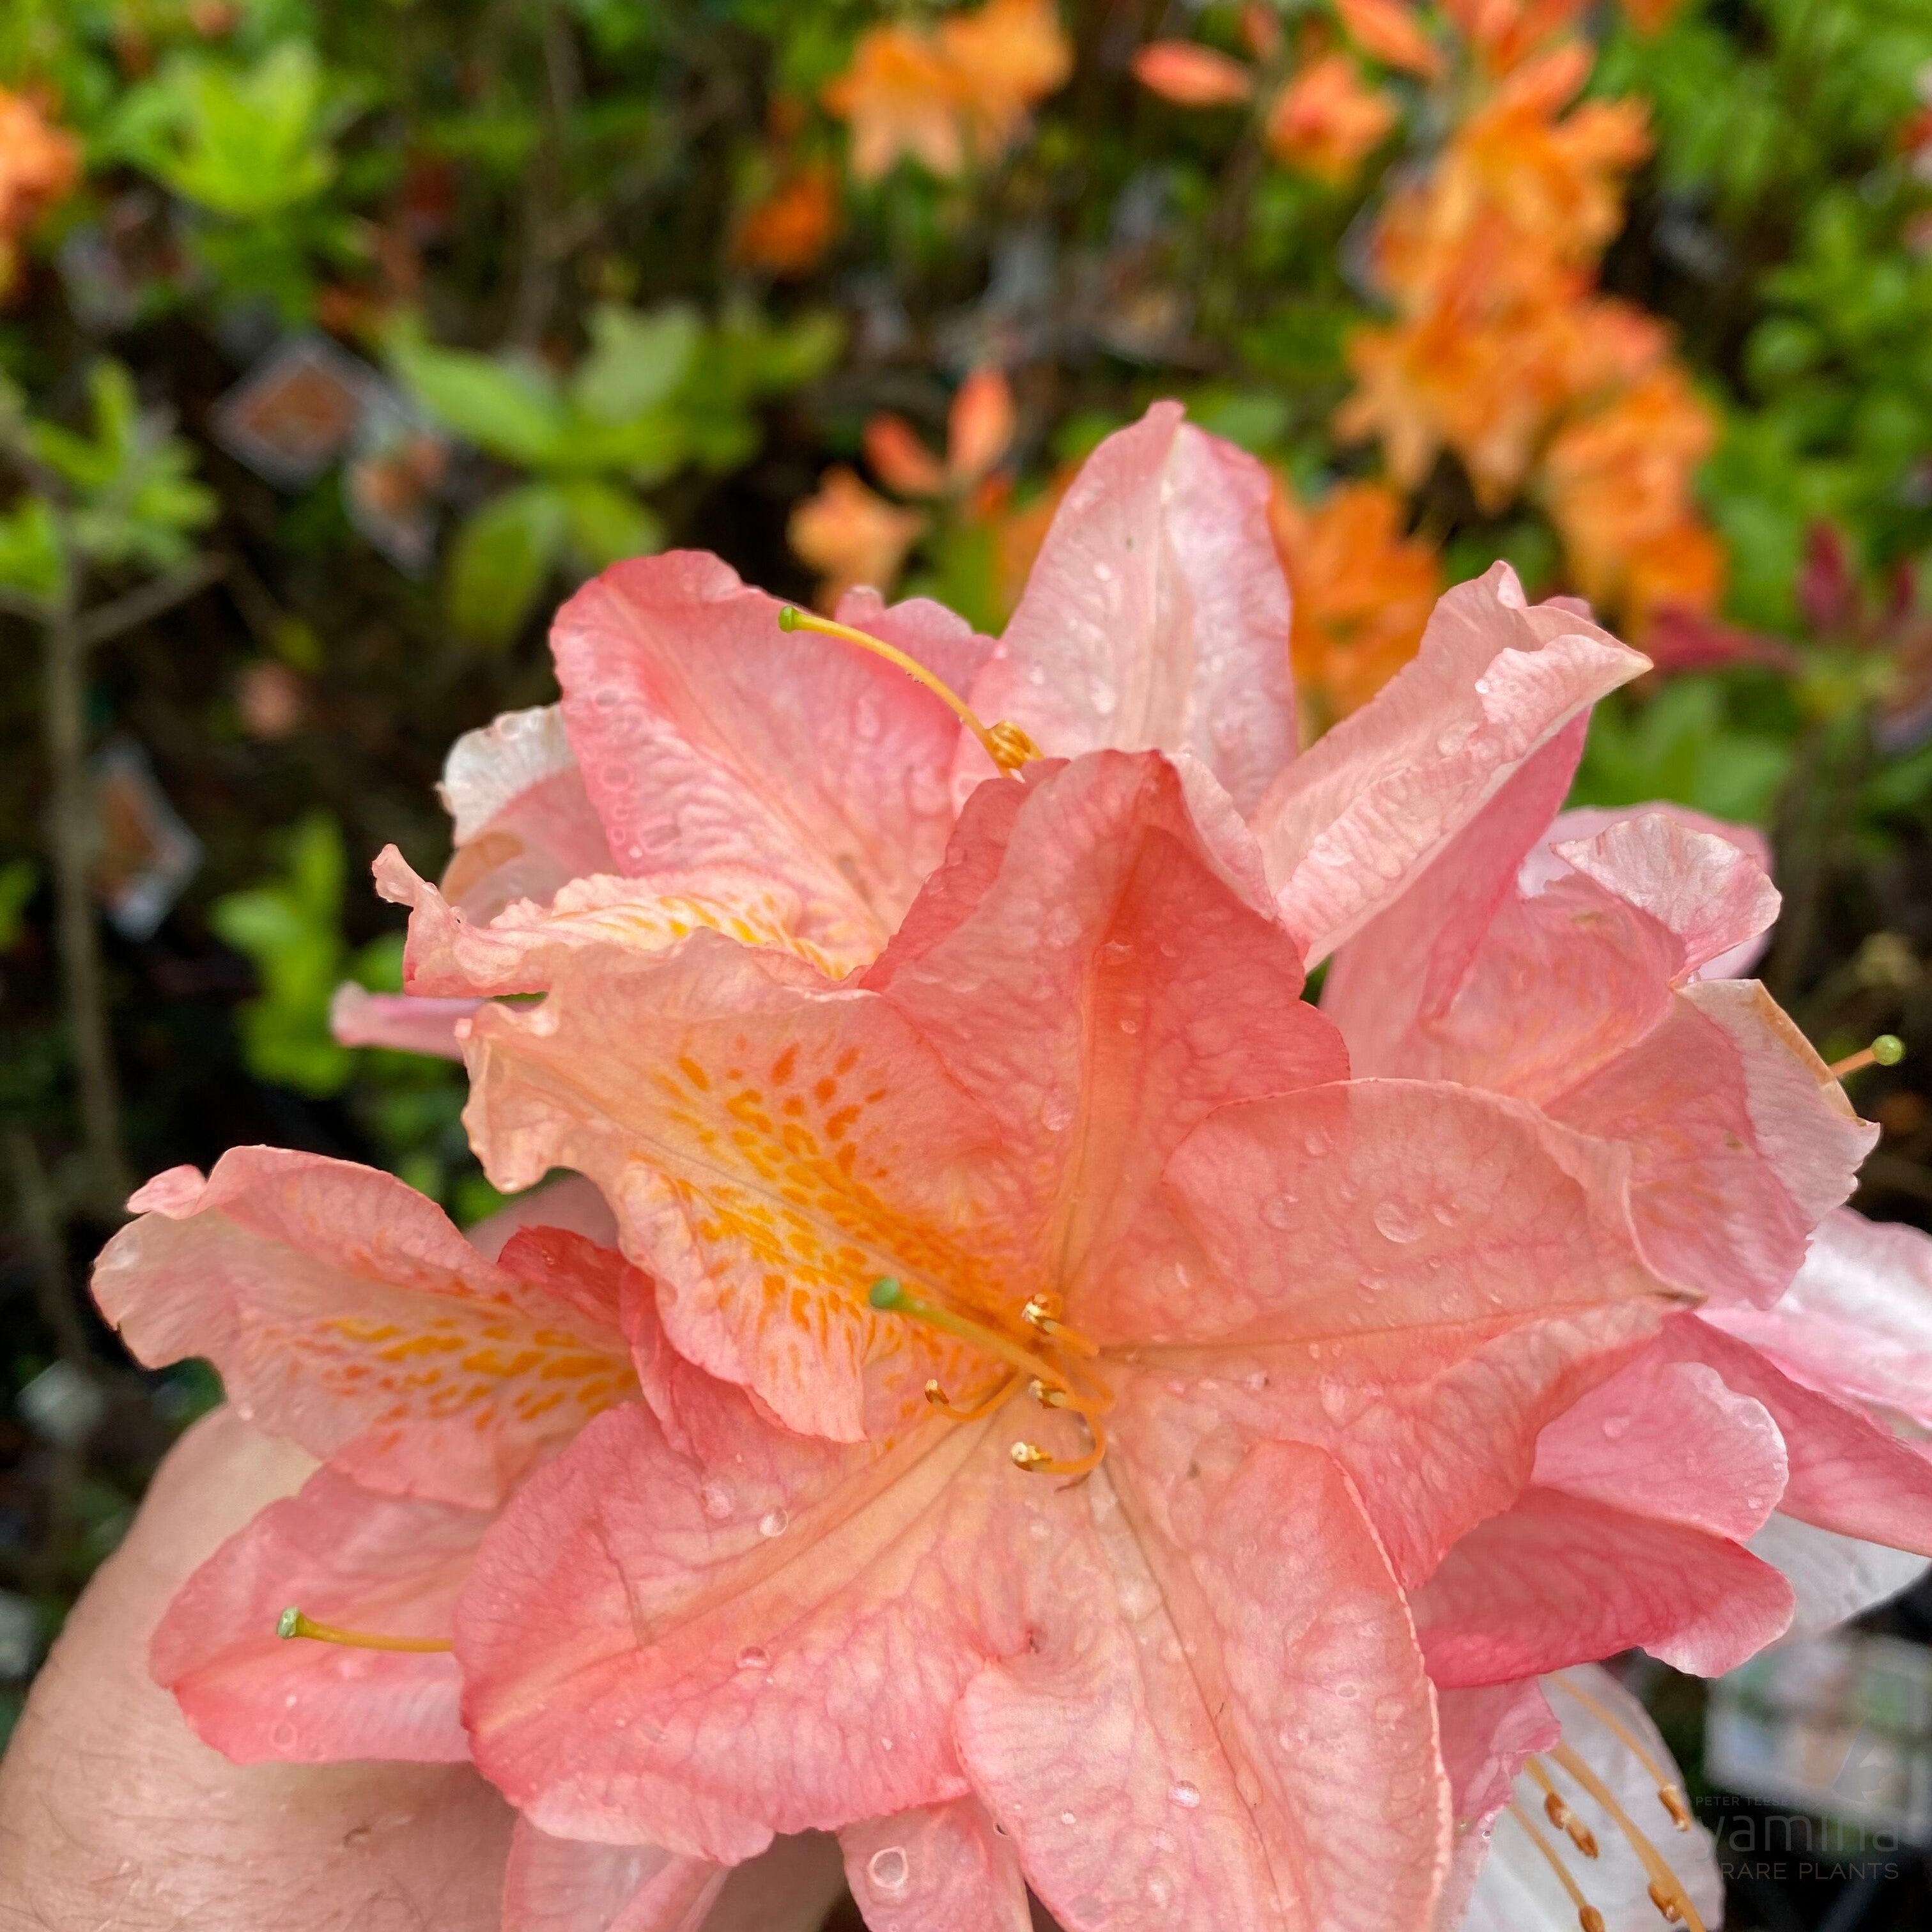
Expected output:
(1006, 745)
(1888, 1050)
(937, 1396)
(1042, 1312)
(1666, 1902)
(1559, 1814)
(1671, 1799)
(292, 1623)
(1031, 1457)
(1666, 1891)
(1668, 1795)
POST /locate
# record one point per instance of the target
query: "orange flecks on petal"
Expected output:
(852, 536)
(961, 94)
(788, 232)
(1191, 75)
(1327, 119)
(1389, 30)
(1362, 593)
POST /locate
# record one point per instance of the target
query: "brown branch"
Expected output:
(40, 1222)
(107, 621)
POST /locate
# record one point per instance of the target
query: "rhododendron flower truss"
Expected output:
(345, 1313)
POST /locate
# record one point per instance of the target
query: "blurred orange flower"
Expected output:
(1362, 593)
(850, 535)
(1327, 118)
(1389, 30)
(40, 165)
(1505, 32)
(1617, 482)
(962, 95)
(788, 232)
(1191, 75)
(979, 431)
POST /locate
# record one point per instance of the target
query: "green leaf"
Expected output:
(31, 562)
(19, 877)
(502, 557)
(636, 361)
(606, 525)
(510, 409)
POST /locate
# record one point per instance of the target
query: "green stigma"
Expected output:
(886, 1293)
(788, 617)
(289, 1623)
(1888, 1049)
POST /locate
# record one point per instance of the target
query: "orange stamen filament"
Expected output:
(1031, 1456)
(941, 1401)
(1041, 1313)
(1888, 1050)
(1006, 745)
(1559, 1814)
(292, 1623)
(887, 1294)
(1666, 1892)
(1668, 1795)
(1587, 1916)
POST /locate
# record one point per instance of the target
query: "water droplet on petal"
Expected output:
(283, 1737)
(1184, 1794)
(717, 1501)
(1056, 1113)
(887, 1872)
(1257, 1381)
(754, 1656)
(1068, 1818)
(1278, 1210)
(773, 1522)
(1348, 1690)
(1160, 1887)
(1482, 687)
(1614, 1426)
(1396, 1223)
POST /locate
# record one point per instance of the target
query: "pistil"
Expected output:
(292, 1623)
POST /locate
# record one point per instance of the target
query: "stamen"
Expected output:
(1888, 1050)
(939, 1399)
(1587, 1916)
(1666, 1891)
(1031, 1457)
(1668, 1795)
(292, 1623)
(1088, 1405)
(887, 1294)
(1559, 1814)
(1006, 745)
(1042, 1312)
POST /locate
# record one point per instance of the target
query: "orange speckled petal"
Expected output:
(345, 1312)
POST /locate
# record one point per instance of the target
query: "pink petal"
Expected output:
(1857, 1322)
(524, 824)
(110, 1806)
(449, 954)
(708, 737)
(1157, 614)
(401, 1022)
(1362, 813)
(570, 1202)
(1741, 1140)
(1557, 1579)
(1487, 1732)
(349, 1557)
(942, 1868)
(1848, 1473)
(1669, 1438)
(562, 1884)
(771, 1147)
(343, 1310)
(1234, 1777)
(769, 1639)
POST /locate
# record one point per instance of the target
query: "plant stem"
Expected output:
(69, 837)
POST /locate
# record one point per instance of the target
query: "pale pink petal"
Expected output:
(1848, 1473)
(942, 1868)
(1487, 1731)
(343, 1310)
(1741, 1140)
(1156, 615)
(1245, 1679)
(769, 1639)
(449, 954)
(1359, 815)
(708, 737)
(562, 1885)
(524, 824)
(1557, 1580)
(569, 1202)
(401, 1022)
(347, 1556)
(1857, 1322)
(1669, 1438)
(771, 1147)
(1834, 1578)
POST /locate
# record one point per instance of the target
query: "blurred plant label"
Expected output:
(144, 856)
(1840, 1725)
(397, 467)
(297, 411)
